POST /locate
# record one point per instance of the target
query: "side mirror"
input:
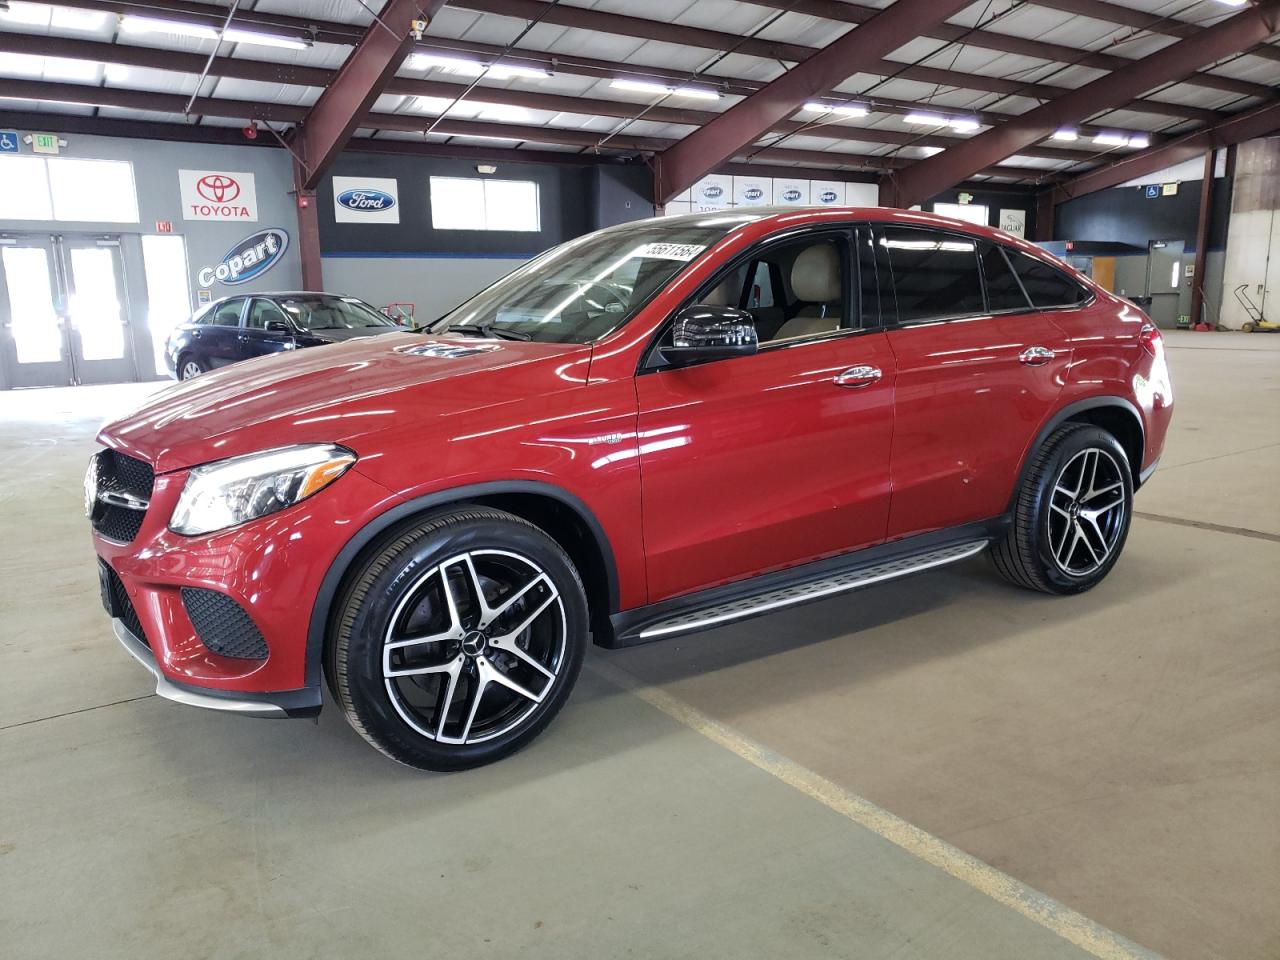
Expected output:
(277, 326)
(705, 332)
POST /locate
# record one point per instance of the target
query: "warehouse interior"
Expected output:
(940, 767)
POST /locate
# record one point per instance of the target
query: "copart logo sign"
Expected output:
(247, 260)
(218, 195)
(365, 200)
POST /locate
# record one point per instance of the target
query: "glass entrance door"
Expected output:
(62, 302)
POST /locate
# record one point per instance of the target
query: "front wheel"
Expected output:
(459, 640)
(189, 367)
(1072, 513)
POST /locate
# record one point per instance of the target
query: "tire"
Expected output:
(411, 633)
(1247, 327)
(1071, 515)
(189, 367)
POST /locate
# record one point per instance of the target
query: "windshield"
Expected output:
(585, 289)
(333, 313)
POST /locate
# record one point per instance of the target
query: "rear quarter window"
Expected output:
(1045, 285)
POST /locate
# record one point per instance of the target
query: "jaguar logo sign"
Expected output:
(753, 194)
(247, 260)
(366, 199)
(217, 195)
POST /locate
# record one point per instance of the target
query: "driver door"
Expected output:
(757, 463)
(256, 339)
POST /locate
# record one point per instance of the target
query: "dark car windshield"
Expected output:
(585, 289)
(333, 313)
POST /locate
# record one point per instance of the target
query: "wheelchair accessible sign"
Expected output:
(9, 141)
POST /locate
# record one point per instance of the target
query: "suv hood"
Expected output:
(344, 393)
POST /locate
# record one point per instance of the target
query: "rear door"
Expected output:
(217, 339)
(979, 370)
(757, 463)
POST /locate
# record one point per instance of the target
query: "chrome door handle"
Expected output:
(1035, 356)
(859, 376)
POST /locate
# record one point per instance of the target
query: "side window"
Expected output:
(935, 274)
(1003, 290)
(761, 292)
(1046, 285)
(814, 298)
(228, 314)
(868, 283)
(261, 311)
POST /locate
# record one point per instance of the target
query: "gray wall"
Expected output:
(432, 284)
(155, 168)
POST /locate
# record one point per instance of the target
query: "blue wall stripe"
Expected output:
(369, 255)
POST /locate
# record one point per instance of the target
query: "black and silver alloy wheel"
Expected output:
(189, 369)
(1087, 512)
(1071, 513)
(458, 639)
(474, 646)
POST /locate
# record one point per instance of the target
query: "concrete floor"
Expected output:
(1118, 751)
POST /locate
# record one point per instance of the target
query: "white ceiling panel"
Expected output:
(44, 106)
(344, 11)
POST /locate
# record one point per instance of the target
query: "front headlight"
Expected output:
(223, 494)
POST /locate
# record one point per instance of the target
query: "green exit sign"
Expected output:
(44, 142)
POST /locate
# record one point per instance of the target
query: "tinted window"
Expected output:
(869, 313)
(261, 311)
(1046, 286)
(1003, 290)
(321, 312)
(227, 314)
(934, 274)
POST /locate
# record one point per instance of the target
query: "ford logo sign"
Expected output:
(712, 192)
(827, 196)
(791, 196)
(365, 199)
(249, 259)
(753, 193)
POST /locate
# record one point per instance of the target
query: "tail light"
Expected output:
(1151, 339)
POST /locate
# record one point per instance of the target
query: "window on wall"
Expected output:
(968, 212)
(164, 262)
(471, 203)
(68, 189)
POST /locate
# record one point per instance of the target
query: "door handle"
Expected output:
(1035, 356)
(860, 376)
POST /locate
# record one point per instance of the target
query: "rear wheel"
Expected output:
(1072, 513)
(189, 367)
(459, 641)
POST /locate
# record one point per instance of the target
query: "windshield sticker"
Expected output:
(670, 251)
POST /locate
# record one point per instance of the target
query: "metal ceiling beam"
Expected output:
(360, 80)
(1005, 43)
(707, 147)
(1259, 122)
(268, 72)
(344, 33)
(1140, 19)
(928, 177)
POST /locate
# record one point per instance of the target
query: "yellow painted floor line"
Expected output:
(1004, 889)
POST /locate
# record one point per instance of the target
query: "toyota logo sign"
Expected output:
(218, 187)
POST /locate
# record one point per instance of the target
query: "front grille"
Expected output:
(223, 625)
(121, 474)
(116, 600)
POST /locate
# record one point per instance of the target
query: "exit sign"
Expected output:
(44, 142)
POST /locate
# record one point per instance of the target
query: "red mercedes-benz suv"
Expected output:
(650, 430)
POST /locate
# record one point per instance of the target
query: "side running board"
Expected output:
(797, 593)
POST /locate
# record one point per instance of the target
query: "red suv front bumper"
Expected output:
(272, 568)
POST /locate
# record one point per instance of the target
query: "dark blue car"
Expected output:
(240, 327)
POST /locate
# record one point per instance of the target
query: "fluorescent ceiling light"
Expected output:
(844, 109)
(1234, 3)
(963, 126)
(1112, 139)
(462, 67)
(926, 119)
(661, 89)
(930, 151)
(146, 25)
(1141, 141)
(1066, 134)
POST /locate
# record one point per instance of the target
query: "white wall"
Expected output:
(433, 284)
(1253, 234)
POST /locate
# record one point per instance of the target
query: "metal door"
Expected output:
(1164, 281)
(64, 311)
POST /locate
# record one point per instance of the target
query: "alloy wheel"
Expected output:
(190, 369)
(1086, 512)
(475, 645)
